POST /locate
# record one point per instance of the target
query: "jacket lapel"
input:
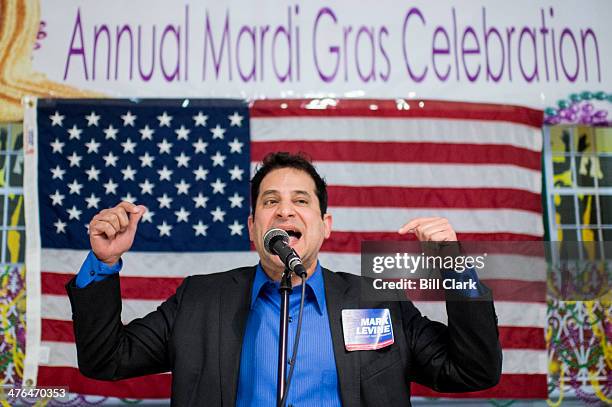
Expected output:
(339, 295)
(235, 301)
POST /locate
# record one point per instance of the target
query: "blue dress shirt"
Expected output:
(315, 378)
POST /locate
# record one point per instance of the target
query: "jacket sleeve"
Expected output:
(109, 350)
(463, 356)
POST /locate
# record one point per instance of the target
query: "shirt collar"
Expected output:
(315, 282)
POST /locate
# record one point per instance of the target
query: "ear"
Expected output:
(327, 225)
(250, 226)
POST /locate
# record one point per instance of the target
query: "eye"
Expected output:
(269, 202)
(302, 201)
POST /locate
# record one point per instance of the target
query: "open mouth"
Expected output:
(294, 235)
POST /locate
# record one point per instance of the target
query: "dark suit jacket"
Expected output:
(197, 334)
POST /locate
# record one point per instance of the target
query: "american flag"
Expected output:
(189, 162)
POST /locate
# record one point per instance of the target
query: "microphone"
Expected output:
(276, 241)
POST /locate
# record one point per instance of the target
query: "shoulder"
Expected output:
(199, 282)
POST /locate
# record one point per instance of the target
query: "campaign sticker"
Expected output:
(367, 329)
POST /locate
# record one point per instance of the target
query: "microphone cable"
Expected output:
(295, 343)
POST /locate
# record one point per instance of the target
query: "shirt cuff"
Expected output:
(95, 270)
(469, 275)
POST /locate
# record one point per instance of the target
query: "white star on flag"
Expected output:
(57, 173)
(164, 146)
(182, 133)
(236, 228)
(75, 160)
(60, 227)
(110, 187)
(235, 146)
(110, 159)
(182, 160)
(200, 119)
(74, 132)
(218, 159)
(164, 229)
(218, 186)
(236, 200)
(128, 119)
(92, 146)
(128, 173)
(200, 173)
(74, 213)
(164, 201)
(236, 173)
(57, 198)
(217, 132)
(182, 215)
(148, 216)
(217, 214)
(110, 132)
(146, 133)
(92, 201)
(182, 187)
(200, 146)
(146, 160)
(75, 187)
(200, 200)
(164, 174)
(164, 120)
(57, 119)
(235, 119)
(146, 187)
(129, 198)
(92, 119)
(128, 146)
(57, 146)
(200, 228)
(92, 173)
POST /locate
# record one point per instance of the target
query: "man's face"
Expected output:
(287, 200)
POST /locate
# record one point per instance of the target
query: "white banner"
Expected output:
(525, 52)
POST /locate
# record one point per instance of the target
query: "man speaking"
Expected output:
(218, 334)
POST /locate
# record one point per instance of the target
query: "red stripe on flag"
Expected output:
(57, 331)
(509, 337)
(350, 242)
(443, 153)
(503, 290)
(390, 108)
(401, 197)
(511, 386)
(141, 288)
(160, 288)
(150, 387)
(522, 338)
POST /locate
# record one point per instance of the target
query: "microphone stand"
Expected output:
(285, 289)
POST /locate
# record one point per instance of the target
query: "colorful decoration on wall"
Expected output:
(589, 108)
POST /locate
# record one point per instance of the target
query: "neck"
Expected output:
(276, 273)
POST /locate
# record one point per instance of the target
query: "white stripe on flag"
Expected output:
(146, 264)
(153, 264)
(463, 220)
(406, 130)
(428, 175)
(509, 313)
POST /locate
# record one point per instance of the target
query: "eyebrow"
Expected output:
(274, 192)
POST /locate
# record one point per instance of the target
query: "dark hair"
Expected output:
(299, 161)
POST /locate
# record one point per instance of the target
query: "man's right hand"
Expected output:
(112, 231)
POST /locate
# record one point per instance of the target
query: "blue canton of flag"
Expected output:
(187, 161)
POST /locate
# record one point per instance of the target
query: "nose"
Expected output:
(285, 210)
